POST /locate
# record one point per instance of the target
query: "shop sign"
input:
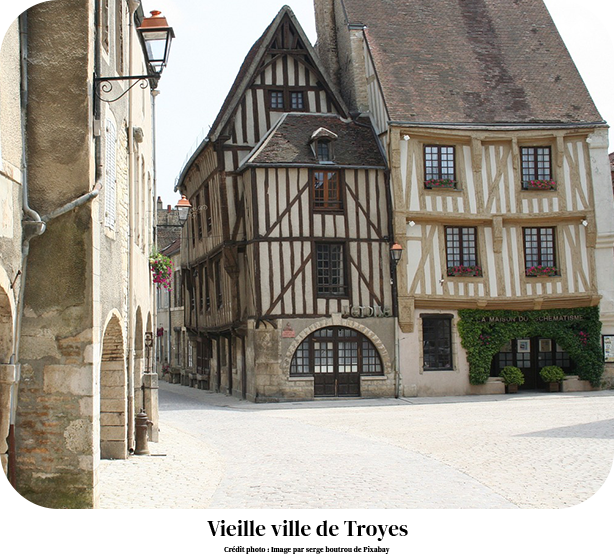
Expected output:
(524, 318)
(366, 311)
(288, 332)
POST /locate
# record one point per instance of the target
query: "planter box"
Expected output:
(511, 389)
(539, 185)
(553, 387)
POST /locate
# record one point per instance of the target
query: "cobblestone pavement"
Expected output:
(526, 450)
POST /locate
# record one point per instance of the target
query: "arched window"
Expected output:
(336, 350)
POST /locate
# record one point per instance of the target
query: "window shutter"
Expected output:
(110, 175)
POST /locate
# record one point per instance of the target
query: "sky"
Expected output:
(212, 39)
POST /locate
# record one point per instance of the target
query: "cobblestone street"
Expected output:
(526, 451)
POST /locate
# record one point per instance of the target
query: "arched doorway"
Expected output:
(6, 374)
(336, 357)
(530, 355)
(113, 393)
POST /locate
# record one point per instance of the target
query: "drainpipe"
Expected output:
(132, 7)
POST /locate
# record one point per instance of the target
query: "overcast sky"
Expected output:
(212, 39)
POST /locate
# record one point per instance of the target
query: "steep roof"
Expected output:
(250, 65)
(472, 62)
(289, 142)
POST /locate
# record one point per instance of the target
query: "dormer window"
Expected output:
(323, 149)
(322, 145)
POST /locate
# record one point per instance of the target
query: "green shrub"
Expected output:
(511, 375)
(552, 374)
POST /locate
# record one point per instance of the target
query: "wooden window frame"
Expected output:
(207, 208)
(535, 175)
(343, 288)
(432, 351)
(206, 288)
(337, 337)
(277, 94)
(540, 245)
(217, 275)
(199, 217)
(327, 204)
(462, 254)
(297, 94)
(439, 174)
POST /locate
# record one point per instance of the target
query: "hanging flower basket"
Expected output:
(465, 271)
(539, 184)
(542, 271)
(440, 184)
(161, 270)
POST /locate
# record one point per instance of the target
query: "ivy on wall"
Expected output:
(577, 330)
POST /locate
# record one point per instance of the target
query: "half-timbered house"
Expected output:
(285, 257)
(500, 179)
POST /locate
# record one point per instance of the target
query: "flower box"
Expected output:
(440, 184)
(465, 271)
(539, 184)
(541, 271)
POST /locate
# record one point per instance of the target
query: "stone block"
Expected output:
(492, 386)
(112, 378)
(113, 419)
(113, 450)
(113, 433)
(112, 405)
(573, 383)
(112, 392)
(60, 379)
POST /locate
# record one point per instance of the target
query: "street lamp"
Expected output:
(396, 252)
(155, 36)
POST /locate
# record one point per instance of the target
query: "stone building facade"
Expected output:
(88, 294)
(11, 202)
(501, 186)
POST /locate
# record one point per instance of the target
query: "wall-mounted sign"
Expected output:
(521, 318)
(366, 311)
(608, 348)
(288, 332)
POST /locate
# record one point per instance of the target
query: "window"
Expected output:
(276, 99)
(437, 342)
(461, 252)
(110, 187)
(326, 191)
(336, 350)
(439, 165)
(177, 286)
(199, 219)
(536, 164)
(218, 282)
(201, 296)
(296, 101)
(207, 208)
(539, 252)
(206, 293)
(330, 269)
(324, 150)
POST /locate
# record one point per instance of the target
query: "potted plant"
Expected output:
(540, 184)
(553, 375)
(465, 271)
(440, 184)
(541, 271)
(512, 378)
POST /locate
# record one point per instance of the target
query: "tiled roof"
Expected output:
(472, 62)
(289, 142)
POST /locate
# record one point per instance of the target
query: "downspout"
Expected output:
(132, 7)
(153, 230)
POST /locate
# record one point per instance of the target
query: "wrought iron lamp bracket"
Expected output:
(104, 85)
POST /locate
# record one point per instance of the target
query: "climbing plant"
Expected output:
(576, 330)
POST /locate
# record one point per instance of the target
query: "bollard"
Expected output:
(142, 423)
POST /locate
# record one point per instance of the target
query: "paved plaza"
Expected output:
(530, 450)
